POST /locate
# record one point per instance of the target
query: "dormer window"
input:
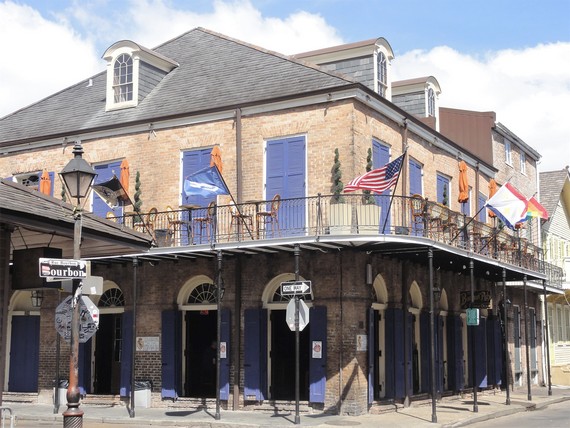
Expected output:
(431, 102)
(123, 78)
(133, 71)
(382, 82)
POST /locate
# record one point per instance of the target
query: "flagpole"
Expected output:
(467, 224)
(394, 192)
(235, 203)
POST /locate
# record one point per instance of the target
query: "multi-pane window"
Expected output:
(431, 102)
(508, 152)
(382, 74)
(560, 323)
(523, 163)
(123, 78)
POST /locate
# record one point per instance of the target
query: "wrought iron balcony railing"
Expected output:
(353, 214)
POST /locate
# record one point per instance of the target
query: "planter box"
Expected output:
(340, 219)
(368, 219)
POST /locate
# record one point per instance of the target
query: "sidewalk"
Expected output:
(451, 412)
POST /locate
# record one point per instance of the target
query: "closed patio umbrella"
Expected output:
(125, 175)
(492, 191)
(216, 158)
(463, 183)
(45, 183)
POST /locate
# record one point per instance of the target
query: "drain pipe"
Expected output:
(239, 172)
(134, 337)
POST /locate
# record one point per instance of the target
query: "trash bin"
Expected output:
(143, 389)
(62, 391)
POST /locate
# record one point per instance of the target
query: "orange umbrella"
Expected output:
(216, 158)
(125, 175)
(492, 191)
(463, 183)
(45, 183)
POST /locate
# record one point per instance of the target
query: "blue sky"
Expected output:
(507, 56)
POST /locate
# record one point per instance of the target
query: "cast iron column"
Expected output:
(547, 338)
(297, 254)
(473, 353)
(218, 331)
(432, 337)
(529, 395)
(506, 330)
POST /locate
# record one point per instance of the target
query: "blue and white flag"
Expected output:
(205, 182)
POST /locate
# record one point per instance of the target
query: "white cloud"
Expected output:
(40, 57)
(529, 89)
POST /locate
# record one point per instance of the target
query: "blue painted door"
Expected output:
(478, 339)
(494, 350)
(24, 354)
(171, 353)
(255, 354)
(286, 176)
(415, 177)
(126, 353)
(381, 157)
(371, 354)
(318, 366)
(395, 364)
(104, 173)
(225, 334)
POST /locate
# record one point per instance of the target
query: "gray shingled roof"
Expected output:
(551, 184)
(39, 220)
(215, 73)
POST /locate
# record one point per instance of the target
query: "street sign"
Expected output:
(63, 268)
(88, 319)
(303, 314)
(472, 316)
(293, 288)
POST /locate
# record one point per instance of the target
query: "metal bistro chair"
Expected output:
(239, 221)
(175, 226)
(150, 222)
(418, 206)
(269, 218)
(206, 222)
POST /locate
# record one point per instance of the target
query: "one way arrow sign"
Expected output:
(292, 288)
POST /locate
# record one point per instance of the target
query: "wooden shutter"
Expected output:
(255, 354)
(24, 354)
(171, 350)
(318, 366)
(455, 352)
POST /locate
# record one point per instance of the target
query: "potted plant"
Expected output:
(340, 213)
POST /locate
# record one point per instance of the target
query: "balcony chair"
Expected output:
(269, 218)
(206, 222)
(176, 226)
(418, 210)
(239, 220)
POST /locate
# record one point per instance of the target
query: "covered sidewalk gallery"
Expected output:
(362, 287)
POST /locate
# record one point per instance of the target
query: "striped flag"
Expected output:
(378, 180)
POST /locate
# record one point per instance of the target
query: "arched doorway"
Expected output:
(108, 342)
(197, 301)
(377, 349)
(281, 349)
(22, 366)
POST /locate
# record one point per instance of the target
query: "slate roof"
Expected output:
(551, 185)
(41, 220)
(215, 73)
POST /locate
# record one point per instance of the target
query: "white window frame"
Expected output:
(523, 163)
(382, 74)
(508, 153)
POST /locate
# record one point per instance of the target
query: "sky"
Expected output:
(507, 56)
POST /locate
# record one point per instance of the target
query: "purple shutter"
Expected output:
(395, 364)
(192, 161)
(225, 362)
(455, 352)
(425, 351)
(126, 353)
(255, 354)
(84, 367)
(171, 344)
(318, 366)
(480, 343)
(371, 354)
(415, 177)
(104, 173)
(380, 157)
(439, 352)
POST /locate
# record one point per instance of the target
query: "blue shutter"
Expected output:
(394, 346)
(24, 354)
(439, 352)
(192, 161)
(479, 341)
(494, 351)
(371, 354)
(425, 351)
(517, 339)
(482, 216)
(318, 366)
(52, 180)
(285, 175)
(380, 157)
(126, 353)
(84, 367)
(532, 339)
(415, 177)
(455, 352)
(255, 357)
(225, 362)
(104, 173)
(171, 349)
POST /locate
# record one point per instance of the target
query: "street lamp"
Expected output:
(77, 176)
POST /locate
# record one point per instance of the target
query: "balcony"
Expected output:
(354, 215)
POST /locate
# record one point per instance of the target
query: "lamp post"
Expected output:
(77, 176)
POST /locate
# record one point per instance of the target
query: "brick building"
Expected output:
(379, 267)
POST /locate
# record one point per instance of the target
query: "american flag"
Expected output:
(378, 180)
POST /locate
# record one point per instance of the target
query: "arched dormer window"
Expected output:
(431, 102)
(382, 70)
(123, 78)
